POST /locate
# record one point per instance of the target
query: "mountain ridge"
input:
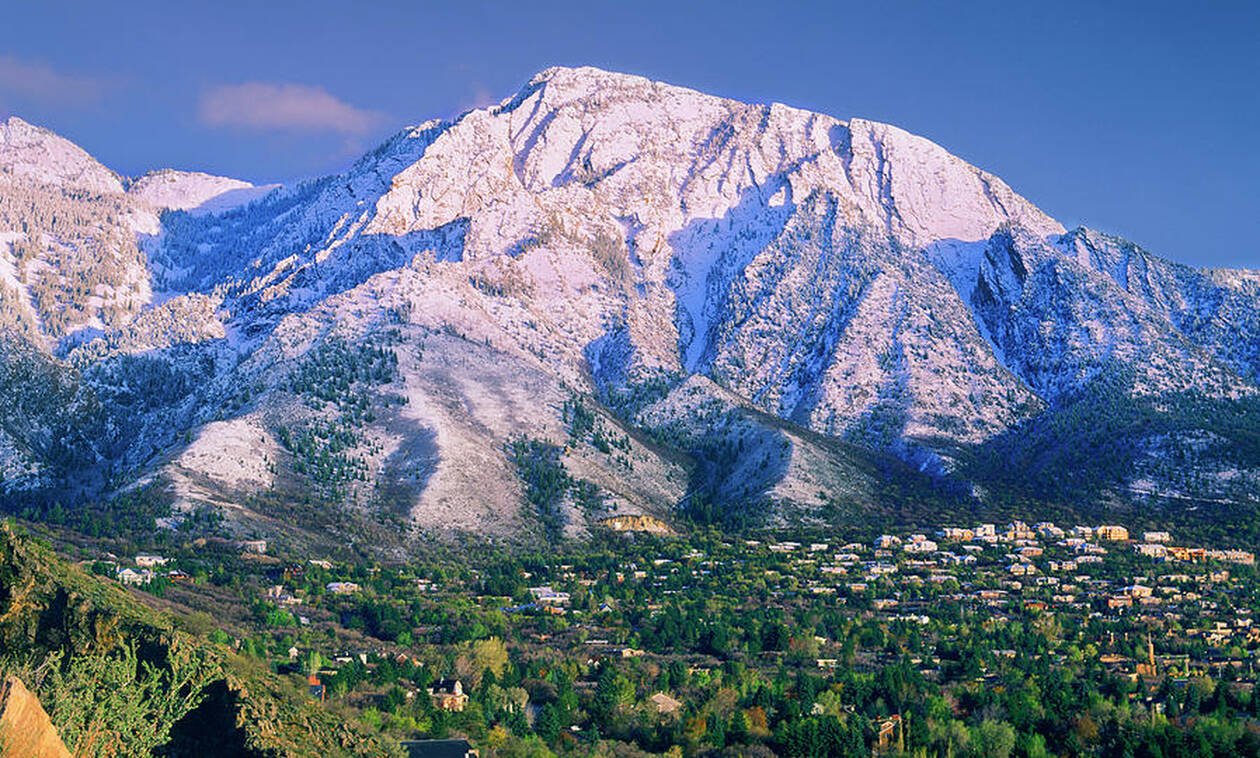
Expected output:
(612, 237)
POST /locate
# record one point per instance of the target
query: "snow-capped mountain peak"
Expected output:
(37, 153)
(727, 275)
(194, 191)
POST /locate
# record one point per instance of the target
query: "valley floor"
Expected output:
(986, 639)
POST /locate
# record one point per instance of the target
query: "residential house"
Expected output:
(1049, 531)
(545, 595)
(1233, 556)
(1017, 530)
(1112, 533)
(887, 732)
(1188, 554)
(448, 695)
(665, 705)
(920, 544)
(135, 578)
(315, 688)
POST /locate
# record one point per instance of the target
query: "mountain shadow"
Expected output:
(1103, 440)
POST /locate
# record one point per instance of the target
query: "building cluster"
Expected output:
(1196, 596)
(147, 569)
(1009, 572)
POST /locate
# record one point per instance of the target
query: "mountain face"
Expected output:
(606, 296)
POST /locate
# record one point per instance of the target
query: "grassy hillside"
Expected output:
(119, 679)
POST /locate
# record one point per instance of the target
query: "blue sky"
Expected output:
(1139, 118)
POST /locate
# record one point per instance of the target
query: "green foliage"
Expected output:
(822, 737)
(1088, 444)
(628, 400)
(546, 480)
(113, 704)
(339, 378)
(324, 451)
(380, 619)
(586, 426)
(118, 680)
(588, 496)
(732, 633)
(338, 373)
(47, 408)
(130, 513)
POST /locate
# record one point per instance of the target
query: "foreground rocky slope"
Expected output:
(748, 311)
(108, 676)
(25, 729)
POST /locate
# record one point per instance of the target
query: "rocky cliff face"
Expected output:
(25, 729)
(722, 277)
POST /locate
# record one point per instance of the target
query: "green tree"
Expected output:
(548, 724)
(113, 704)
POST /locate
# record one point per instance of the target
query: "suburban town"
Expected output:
(691, 638)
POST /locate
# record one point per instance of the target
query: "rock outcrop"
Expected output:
(25, 729)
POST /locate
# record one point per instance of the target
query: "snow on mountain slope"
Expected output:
(194, 191)
(587, 152)
(611, 223)
(71, 258)
(38, 154)
(686, 258)
(637, 210)
(1215, 309)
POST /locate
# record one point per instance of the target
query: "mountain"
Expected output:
(38, 154)
(607, 296)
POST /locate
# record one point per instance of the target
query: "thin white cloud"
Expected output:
(274, 106)
(479, 97)
(37, 81)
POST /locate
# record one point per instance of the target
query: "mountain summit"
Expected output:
(31, 151)
(610, 296)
